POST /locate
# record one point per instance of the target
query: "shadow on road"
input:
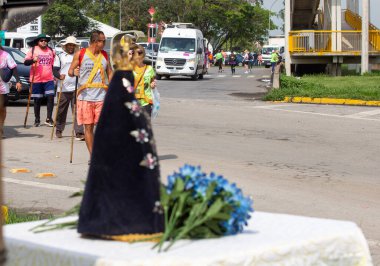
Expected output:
(12, 132)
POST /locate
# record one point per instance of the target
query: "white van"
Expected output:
(267, 51)
(19, 40)
(181, 52)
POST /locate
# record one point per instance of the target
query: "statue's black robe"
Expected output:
(121, 194)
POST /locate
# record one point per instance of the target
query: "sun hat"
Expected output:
(70, 40)
(35, 41)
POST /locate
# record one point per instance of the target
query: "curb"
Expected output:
(329, 101)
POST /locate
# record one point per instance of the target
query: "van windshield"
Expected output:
(177, 44)
(269, 50)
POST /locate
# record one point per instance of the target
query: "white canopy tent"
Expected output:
(108, 30)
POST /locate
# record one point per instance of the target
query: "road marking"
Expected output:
(364, 114)
(275, 108)
(251, 76)
(236, 76)
(220, 76)
(40, 185)
(265, 76)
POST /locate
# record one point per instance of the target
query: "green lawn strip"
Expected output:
(321, 86)
(15, 217)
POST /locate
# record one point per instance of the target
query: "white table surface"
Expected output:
(270, 239)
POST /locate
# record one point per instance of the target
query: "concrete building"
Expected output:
(321, 35)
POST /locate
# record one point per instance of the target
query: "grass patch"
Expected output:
(14, 217)
(365, 87)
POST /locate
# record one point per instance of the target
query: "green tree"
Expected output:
(65, 18)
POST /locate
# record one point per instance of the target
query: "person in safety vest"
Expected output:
(91, 65)
(145, 80)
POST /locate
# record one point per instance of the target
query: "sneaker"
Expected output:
(36, 123)
(49, 122)
(58, 134)
(246, 72)
(79, 137)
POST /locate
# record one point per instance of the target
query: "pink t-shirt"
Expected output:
(6, 60)
(44, 69)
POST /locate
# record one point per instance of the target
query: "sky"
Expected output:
(375, 6)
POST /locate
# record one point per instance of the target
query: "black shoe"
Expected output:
(37, 123)
(58, 134)
(79, 136)
(49, 122)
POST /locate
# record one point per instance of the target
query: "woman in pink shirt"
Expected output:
(41, 57)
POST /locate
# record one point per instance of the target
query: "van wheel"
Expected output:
(158, 77)
(167, 77)
(194, 77)
(200, 76)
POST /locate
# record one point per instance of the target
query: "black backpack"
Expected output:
(250, 56)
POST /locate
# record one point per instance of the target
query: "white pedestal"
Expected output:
(270, 239)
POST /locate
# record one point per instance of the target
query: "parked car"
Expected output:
(23, 72)
(151, 50)
(239, 60)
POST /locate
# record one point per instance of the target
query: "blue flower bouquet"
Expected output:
(197, 205)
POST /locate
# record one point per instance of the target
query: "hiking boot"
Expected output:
(79, 137)
(49, 122)
(58, 134)
(37, 123)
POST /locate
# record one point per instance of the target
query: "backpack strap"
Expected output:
(104, 53)
(81, 55)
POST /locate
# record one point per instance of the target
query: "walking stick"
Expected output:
(30, 93)
(56, 110)
(74, 117)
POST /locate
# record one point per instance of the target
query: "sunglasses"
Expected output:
(43, 40)
(139, 52)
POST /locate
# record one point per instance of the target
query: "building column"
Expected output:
(333, 25)
(365, 37)
(288, 15)
(356, 6)
(339, 25)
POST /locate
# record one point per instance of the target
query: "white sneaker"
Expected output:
(246, 72)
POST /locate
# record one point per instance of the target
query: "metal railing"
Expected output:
(321, 41)
(355, 21)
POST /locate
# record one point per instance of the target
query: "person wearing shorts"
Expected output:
(91, 65)
(6, 61)
(41, 57)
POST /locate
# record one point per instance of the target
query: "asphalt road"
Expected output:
(313, 160)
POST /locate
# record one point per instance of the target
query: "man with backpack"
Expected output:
(67, 85)
(41, 57)
(91, 65)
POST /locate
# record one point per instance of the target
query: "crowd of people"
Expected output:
(222, 58)
(82, 82)
(83, 77)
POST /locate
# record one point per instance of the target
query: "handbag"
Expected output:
(6, 74)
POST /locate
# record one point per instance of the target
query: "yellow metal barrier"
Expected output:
(321, 41)
(355, 21)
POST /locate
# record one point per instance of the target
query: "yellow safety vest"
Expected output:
(97, 67)
(140, 93)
